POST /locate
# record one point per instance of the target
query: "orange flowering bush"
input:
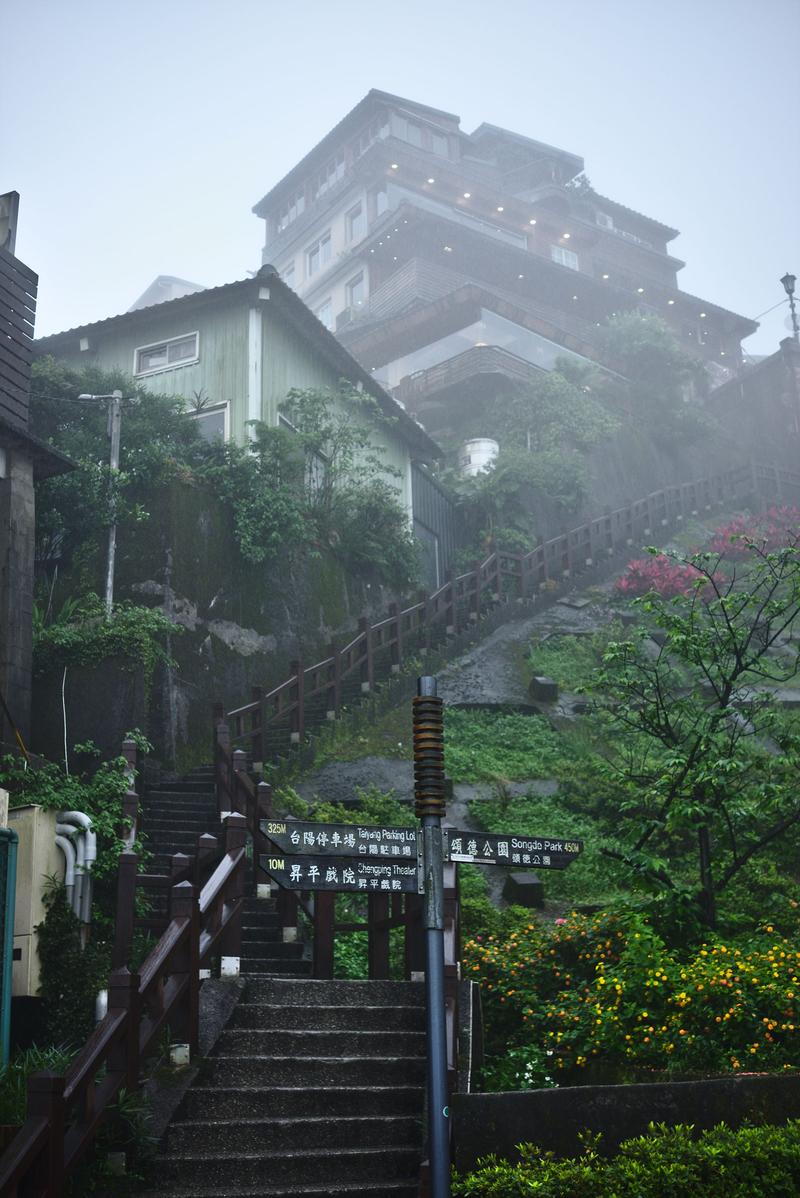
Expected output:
(596, 998)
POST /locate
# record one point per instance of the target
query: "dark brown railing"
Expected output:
(65, 1112)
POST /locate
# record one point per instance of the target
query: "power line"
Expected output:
(779, 304)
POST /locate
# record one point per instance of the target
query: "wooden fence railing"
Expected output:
(65, 1112)
(275, 720)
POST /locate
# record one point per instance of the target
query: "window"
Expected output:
(604, 220)
(356, 223)
(328, 177)
(318, 254)
(413, 133)
(212, 422)
(439, 144)
(324, 313)
(290, 211)
(178, 351)
(564, 257)
(315, 471)
(381, 200)
(287, 274)
(356, 291)
(376, 131)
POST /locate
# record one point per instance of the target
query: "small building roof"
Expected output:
(165, 287)
(294, 310)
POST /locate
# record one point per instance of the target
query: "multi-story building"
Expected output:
(449, 263)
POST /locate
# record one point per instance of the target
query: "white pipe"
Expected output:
(84, 912)
(68, 849)
(78, 843)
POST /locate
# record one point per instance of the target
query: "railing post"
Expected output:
(235, 839)
(451, 611)
(397, 641)
(123, 995)
(257, 725)
(335, 688)
(378, 937)
(207, 847)
(475, 614)
(298, 723)
(46, 1101)
(323, 933)
(368, 665)
(239, 767)
(186, 1022)
(126, 900)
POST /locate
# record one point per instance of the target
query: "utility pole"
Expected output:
(114, 425)
(429, 809)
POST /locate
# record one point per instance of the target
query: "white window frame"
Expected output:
(564, 257)
(604, 220)
(166, 342)
(287, 274)
(360, 278)
(359, 209)
(317, 245)
(320, 308)
(210, 409)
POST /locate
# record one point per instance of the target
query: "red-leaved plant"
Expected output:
(770, 531)
(658, 573)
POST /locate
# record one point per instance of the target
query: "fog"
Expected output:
(140, 135)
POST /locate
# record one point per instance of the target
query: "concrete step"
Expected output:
(258, 1042)
(263, 935)
(294, 1102)
(273, 948)
(182, 786)
(319, 1166)
(279, 1135)
(252, 1070)
(383, 1189)
(267, 966)
(323, 992)
(327, 1018)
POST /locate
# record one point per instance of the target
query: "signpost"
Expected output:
(368, 860)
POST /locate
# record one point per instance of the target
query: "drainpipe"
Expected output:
(76, 839)
(68, 849)
(84, 912)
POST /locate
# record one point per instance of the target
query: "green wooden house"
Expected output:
(233, 352)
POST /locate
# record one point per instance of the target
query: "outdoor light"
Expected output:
(670, 301)
(640, 290)
(448, 249)
(605, 276)
(520, 276)
(431, 180)
(532, 221)
(788, 286)
(566, 236)
(394, 166)
(467, 194)
(500, 208)
(702, 315)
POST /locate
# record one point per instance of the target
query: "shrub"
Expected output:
(657, 573)
(605, 998)
(487, 745)
(669, 1162)
(770, 530)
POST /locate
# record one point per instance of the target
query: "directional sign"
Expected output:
(483, 848)
(342, 840)
(306, 872)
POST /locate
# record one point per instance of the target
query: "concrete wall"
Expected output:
(16, 590)
(485, 1123)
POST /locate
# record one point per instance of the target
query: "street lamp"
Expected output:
(114, 421)
(788, 282)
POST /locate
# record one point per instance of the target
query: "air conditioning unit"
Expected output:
(345, 317)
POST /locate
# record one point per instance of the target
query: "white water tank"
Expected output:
(477, 456)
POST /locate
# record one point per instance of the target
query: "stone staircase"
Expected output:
(174, 814)
(314, 1088)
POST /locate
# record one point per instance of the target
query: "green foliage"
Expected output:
(14, 1078)
(483, 746)
(659, 375)
(668, 1162)
(374, 807)
(71, 974)
(608, 1001)
(571, 660)
(703, 756)
(81, 635)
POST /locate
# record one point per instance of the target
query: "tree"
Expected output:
(707, 759)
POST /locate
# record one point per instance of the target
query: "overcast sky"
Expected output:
(140, 134)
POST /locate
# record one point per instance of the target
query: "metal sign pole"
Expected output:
(429, 809)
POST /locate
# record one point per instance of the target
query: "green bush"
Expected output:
(669, 1162)
(14, 1079)
(483, 746)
